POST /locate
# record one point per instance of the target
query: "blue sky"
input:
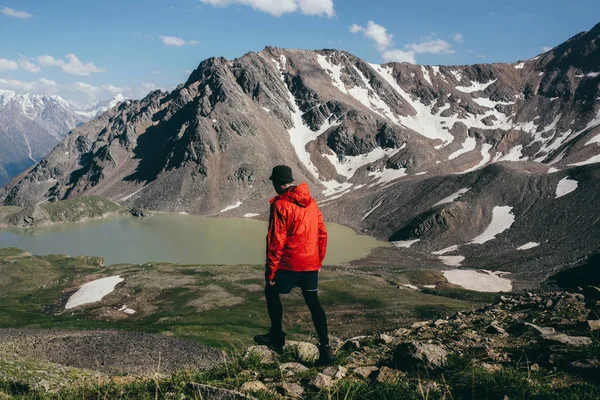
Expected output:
(91, 50)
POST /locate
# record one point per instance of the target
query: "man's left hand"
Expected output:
(272, 283)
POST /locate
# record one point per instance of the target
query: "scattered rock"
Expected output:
(335, 343)
(400, 332)
(425, 387)
(321, 381)
(253, 387)
(495, 329)
(211, 392)
(589, 369)
(293, 367)
(413, 354)
(336, 372)
(550, 335)
(420, 324)
(389, 375)
(291, 390)
(304, 352)
(353, 343)
(535, 367)
(263, 353)
(365, 372)
(385, 339)
(594, 325)
(439, 322)
(491, 367)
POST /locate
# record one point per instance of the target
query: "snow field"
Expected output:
(94, 291)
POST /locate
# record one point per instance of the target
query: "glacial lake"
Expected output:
(181, 239)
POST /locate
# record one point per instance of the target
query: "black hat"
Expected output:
(282, 174)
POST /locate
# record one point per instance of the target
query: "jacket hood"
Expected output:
(299, 195)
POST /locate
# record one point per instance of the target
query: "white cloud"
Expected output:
(29, 66)
(375, 32)
(458, 37)
(547, 48)
(6, 64)
(481, 56)
(437, 46)
(395, 55)
(72, 66)
(16, 14)
(41, 86)
(280, 7)
(176, 41)
(383, 41)
(156, 72)
(469, 51)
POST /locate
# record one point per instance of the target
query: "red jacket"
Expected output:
(297, 238)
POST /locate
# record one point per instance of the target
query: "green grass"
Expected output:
(81, 208)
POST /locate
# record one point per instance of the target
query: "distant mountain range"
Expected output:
(31, 125)
(493, 166)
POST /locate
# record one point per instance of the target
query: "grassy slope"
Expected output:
(216, 305)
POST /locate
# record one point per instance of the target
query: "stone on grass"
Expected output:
(291, 390)
(491, 367)
(389, 375)
(495, 329)
(594, 325)
(210, 392)
(321, 381)
(304, 352)
(400, 332)
(415, 354)
(264, 354)
(336, 372)
(293, 367)
(550, 335)
(252, 387)
(384, 339)
(365, 372)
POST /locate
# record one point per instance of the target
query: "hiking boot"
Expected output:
(326, 356)
(273, 340)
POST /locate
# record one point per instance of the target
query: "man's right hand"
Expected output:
(271, 283)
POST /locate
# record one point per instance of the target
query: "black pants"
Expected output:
(312, 301)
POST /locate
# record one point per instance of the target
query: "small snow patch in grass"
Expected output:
(479, 281)
(502, 220)
(595, 139)
(408, 285)
(444, 251)
(520, 65)
(232, 207)
(127, 310)
(429, 286)
(565, 186)
(405, 243)
(251, 215)
(552, 170)
(528, 246)
(452, 197)
(93, 291)
(593, 160)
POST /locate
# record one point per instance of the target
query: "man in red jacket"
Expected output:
(296, 247)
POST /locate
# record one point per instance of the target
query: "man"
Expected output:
(296, 247)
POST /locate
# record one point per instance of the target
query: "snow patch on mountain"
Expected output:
(502, 220)
(486, 157)
(469, 145)
(452, 261)
(475, 87)
(444, 251)
(231, 207)
(452, 197)
(528, 246)
(565, 186)
(479, 281)
(405, 243)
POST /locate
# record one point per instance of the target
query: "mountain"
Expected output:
(489, 166)
(31, 125)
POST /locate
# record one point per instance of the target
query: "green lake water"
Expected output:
(182, 239)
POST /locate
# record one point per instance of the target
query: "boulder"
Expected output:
(291, 390)
(415, 354)
(336, 372)
(550, 335)
(253, 387)
(321, 381)
(594, 325)
(384, 339)
(389, 375)
(304, 352)
(293, 367)
(263, 353)
(495, 329)
(365, 372)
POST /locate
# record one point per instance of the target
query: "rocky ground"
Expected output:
(541, 345)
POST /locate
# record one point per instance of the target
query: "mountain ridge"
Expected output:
(367, 138)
